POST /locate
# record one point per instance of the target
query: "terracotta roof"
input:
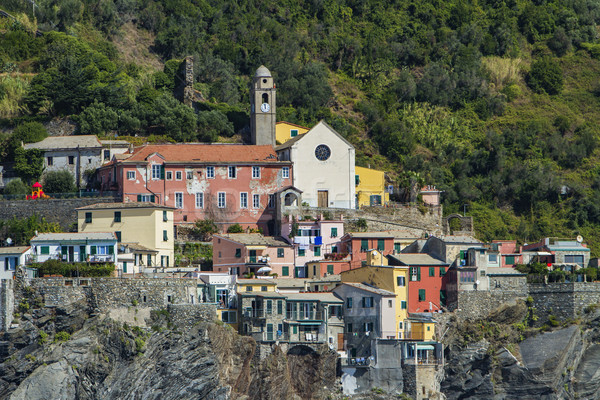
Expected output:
(211, 153)
(66, 142)
(105, 206)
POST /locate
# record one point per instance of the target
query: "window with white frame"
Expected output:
(210, 172)
(255, 172)
(102, 250)
(178, 175)
(199, 200)
(189, 175)
(221, 200)
(155, 171)
(145, 198)
(285, 172)
(232, 172)
(256, 201)
(178, 200)
(131, 175)
(271, 200)
(243, 200)
(169, 175)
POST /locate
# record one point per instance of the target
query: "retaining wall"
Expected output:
(7, 304)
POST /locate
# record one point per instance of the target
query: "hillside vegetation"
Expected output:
(495, 102)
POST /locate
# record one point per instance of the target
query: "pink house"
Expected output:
(241, 253)
(509, 253)
(430, 195)
(312, 240)
(228, 183)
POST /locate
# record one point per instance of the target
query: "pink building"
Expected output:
(241, 253)
(228, 183)
(509, 253)
(312, 240)
(430, 195)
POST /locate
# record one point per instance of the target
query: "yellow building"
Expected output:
(285, 131)
(420, 328)
(249, 286)
(370, 187)
(144, 230)
(382, 276)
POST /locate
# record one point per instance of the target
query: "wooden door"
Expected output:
(323, 198)
(340, 342)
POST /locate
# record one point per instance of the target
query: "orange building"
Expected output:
(358, 243)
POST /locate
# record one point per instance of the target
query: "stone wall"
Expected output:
(185, 316)
(563, 300)
(503, 290)
(61, 211)
(386, 218)
(6, 303)
(105, 293)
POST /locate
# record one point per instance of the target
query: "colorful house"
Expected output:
(227, 183)
(357, 244)
(285, 131)
(11, 258)
(562, 254)
(370, 187)
(426, 286)
(243, 253)
(146, 229)
(92, 247)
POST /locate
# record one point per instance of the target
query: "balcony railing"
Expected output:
(101, 258)
(304, 315)
(356, 361)
(422, 361)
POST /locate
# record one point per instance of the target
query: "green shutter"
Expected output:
(139, 198)
(431, 271)
(93, 250)
(364, 245)
(380, 245)
(82, 256)
(64, 250)
(330, 269)
(149, 259)
(285, 271)
(317, 250)
(124, 267)
(418, 273)
(279, 306)
(356, 180)
(165, 218)
(111, 249)
(442, 271)
(152, 198)
(422, 295)
(238, 253)
(162, 171)
(165, 236)
(334, 232)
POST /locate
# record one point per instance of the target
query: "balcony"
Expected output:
(98, 258)
(355, 361)
(255, 313)
(304, 315)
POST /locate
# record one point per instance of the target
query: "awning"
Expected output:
(256, 247)
(310, 323)
(425, 347)
(542, 253)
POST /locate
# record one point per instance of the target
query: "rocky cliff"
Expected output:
(71, 353)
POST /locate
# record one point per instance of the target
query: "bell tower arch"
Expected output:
(263, 108)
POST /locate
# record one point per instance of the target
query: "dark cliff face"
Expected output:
(83, 356)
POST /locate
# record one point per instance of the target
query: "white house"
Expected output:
(98, 247)
(11, 258)
(323, 163)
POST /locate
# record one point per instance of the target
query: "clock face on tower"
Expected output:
(322, 152)
(265, 107)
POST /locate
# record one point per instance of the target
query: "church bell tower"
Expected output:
(262, 108)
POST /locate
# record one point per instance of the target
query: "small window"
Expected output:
(178, 200)
(431, 271)
(329, 269)
(238, 253)
(380, 244)
(317, 251)
(280, 252)
(400, 281)
(255, 172)
(285, 172)
(390, 303)
(397, 248)
(158, 172)
(88, 217)
(285, 271)
(189, 175)
(403, 304)
(293, 132)
(210, 172)
(45, 250)
(248, 288)
(256, 201)
(71, 160)
(165, 236)
(422, 295)
(169, 175)
(356, 180)
(349, 329)
(232, 172)
(165, 216)
(118, 235)
(349, 302)
(221, 200)
(263, 288)
(364, 245)
(367, 302)
(271, 201)
(178, 175)
(131, 175)
(301, 252)
(117, 216)
(199, 200)
(50, 161)
(106, 155)
(334, 232)
(493, 258)
(243, 200)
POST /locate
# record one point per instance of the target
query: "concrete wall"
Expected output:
(563, 300)
(7, 304)
(61, 211)
(105, 293)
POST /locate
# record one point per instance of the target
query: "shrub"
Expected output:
(545, 76)
(57, 267)
(43, 338)
(16, 187)
(205, 228)
(62, 336)
(59, 182)
(235, 228)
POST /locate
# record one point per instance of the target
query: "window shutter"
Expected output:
(139, 198)
(152, 199)
(418, 273)
(92, 250)
(162, 172)
(111, 249)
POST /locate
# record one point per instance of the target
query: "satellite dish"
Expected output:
(477, 282)
(9, 241)
(580, 238)
(374, 253)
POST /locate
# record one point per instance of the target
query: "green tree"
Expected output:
(29, 164)
(98, 119)
(28, 132)
(59, 182)
(16, 187)
(235, 228)
(22, 230)
(211, 124)
(205, 228)
(545, 76)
